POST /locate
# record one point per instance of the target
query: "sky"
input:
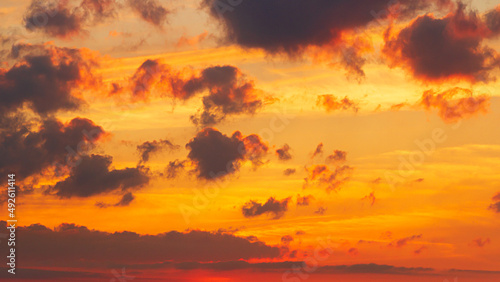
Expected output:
(238, 140)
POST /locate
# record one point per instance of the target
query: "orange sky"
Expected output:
(415, 184)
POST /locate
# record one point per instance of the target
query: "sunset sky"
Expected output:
(251, 140)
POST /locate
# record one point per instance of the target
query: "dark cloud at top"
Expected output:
(59, 19)
(437, 49)
(150, 10)
(217, 155)
(94, 176)
(45, 78)
(29, 152)
(148, 148)
(70, 245)
(272, 206)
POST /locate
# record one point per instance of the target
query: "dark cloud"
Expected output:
(331, 180)
(70, 245)
(94, 176)
(331, 103)
(289, 171)
(404, 241)
(124, 201)
(59, 19)
(217, 155)
(174, 168)
(283, 153)
(229, 91)
(455, 104)
(337, 157)
(150, 10)
(29, 152)
(305, 200)
(272, 206)
(320, 211)
(45, 78)
(318, 151)
(495, 206)
(493, 20)
(436, 49)
(148, 148)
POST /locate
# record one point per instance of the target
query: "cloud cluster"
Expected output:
(331, 103)
(455, 104)
(94, 175)
(272, 206)
(436, 49)
(70, 245)
(217, 155)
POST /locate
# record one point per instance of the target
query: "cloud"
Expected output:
(68, 245)
(289, 171)
(94, 176)
(338, 156)
(322, 176)
(318, 151)
(371, 198)
(495, 206)
(174, 168)
(216, 155)
(272, 206)
(124, 201)
(480, 242)
(228, 90)
(150, 10)
(59, 19)
(305, 200)
(331, 103)
(283, 153)
(29, 151)
(192, 41)
(46, 79)
(436, 49)
(455, 104)
(150, 147)
(286, 240)
(320, 211)
(404, 241)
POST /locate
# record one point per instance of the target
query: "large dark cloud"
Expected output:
(29, 151)
(272, 206)
(94, 176)
(230, 92)
(150, 10)
(45, 78)
(437, 49)
(60, 19)
(217, 155)
(148, 148)
(70, 245)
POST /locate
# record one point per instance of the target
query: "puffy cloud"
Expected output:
(283, 153)
(217, 155)
(331, 180)
(94, 176)
(289, 171)
(59, 19)
(331, 103)
(150, 147)
(150, 10)
(337, 157)
(230, 92)
(305, 200)
(455, 104)
(271, 206)
(45, 78)
(437, 49)
(29, 151)
(68, 245)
